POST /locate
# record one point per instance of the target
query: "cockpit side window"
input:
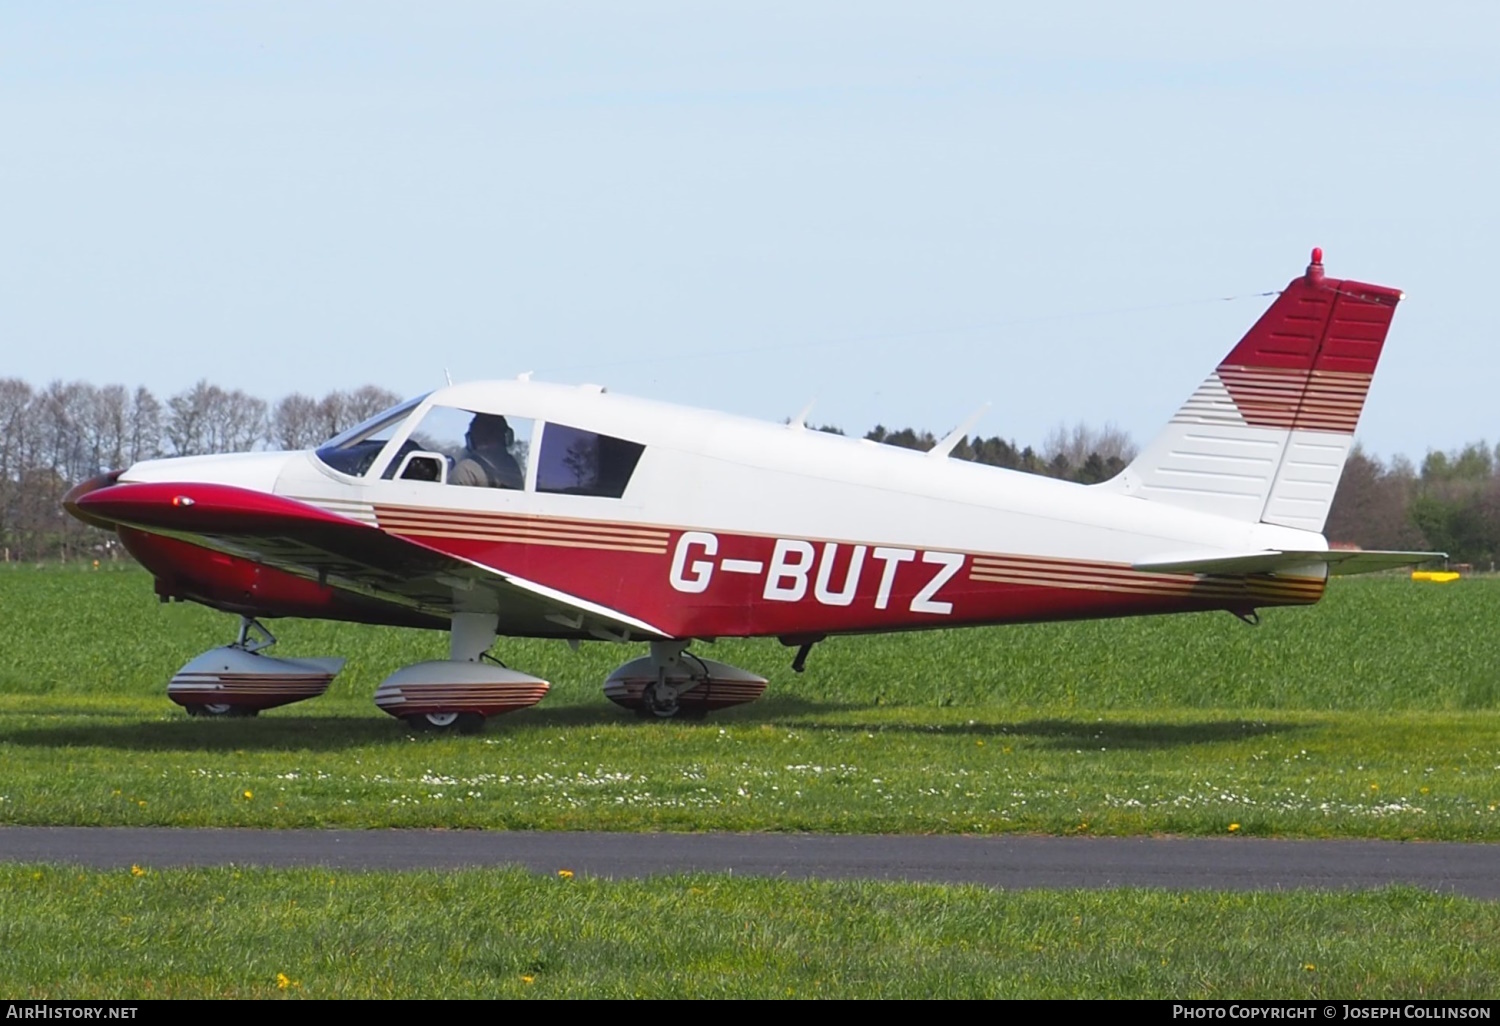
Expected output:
(578, 462)
(353, 451)
(483, 450)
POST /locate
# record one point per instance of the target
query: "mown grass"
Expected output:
(120, 761)
(1378, 644)
(72, 933)
(1372, 715)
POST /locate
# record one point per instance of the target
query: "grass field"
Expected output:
(1380, 644)
(1371, 715)
(311, 933)
(1376, 713)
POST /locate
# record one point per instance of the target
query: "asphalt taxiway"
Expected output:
(1011, 862)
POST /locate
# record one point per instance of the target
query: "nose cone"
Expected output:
(78, 491)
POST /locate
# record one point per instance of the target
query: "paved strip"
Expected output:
(1233, 864)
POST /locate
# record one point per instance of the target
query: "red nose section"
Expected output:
(193, 508)
(78, 491)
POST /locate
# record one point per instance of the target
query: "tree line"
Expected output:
(67, 432)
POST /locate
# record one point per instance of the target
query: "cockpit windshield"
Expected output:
(352, 451)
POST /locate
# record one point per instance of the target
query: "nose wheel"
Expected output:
(240, 679)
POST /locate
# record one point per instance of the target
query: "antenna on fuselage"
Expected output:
(952, 438)
(448, 377)
(799, 422)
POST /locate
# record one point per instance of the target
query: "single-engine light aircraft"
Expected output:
(521, 508)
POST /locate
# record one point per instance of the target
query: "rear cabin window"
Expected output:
(578, 462)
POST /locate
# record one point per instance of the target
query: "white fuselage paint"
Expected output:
(842, 509)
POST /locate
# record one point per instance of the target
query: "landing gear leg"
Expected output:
(249, 627)
(660, 698)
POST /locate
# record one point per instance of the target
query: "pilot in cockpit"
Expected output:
(487, 461)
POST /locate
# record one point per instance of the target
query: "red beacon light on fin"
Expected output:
(1315, 266)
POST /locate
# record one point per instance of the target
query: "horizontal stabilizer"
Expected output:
(1340, 562)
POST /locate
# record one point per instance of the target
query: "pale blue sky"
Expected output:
(900, 210)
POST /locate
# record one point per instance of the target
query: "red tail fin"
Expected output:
(1307, 363)
(1265, 437)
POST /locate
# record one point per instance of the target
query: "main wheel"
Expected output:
(452, 722)
(680, 712)
(221, 710)
(659, 701)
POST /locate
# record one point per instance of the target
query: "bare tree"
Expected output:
(105, 426)
(59, 413)
(238, 422)
(205, 418)
(15, 404)
(1077, 443)
(368, 400)
(333, 413)
(295, 423)
(145, 427)
(339, 411)
(187, 420)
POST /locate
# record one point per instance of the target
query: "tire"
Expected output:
(219, 711)
(447, 722)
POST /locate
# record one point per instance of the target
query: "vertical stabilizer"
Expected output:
(1265, 437)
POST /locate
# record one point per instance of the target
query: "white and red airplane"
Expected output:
(541, 510)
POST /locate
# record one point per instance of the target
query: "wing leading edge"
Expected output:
(354, 557)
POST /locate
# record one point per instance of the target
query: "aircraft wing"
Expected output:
(1340, 562)
(354, 557)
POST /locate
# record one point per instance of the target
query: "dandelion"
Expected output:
(1309, 967)
(142, 803)
(566, 874)
(282, 983)
(137, 871)
(1233, 827)
(249, 795)
(528, 979)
